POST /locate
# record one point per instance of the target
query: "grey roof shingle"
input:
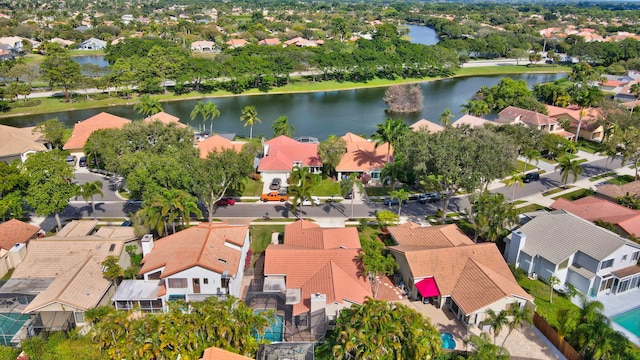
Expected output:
(557, 235)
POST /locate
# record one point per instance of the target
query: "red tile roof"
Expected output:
(217, 143)
(214, 353)
(83, 129)
(615, 191)
(412, 234)
(15, 232)
(306, 234)
(589, 119)
(284, 151)
(512, 113)
(592, 208)
(362, 155)
(213, 246)
(165, 118)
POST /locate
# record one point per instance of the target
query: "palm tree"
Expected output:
(484, 349)
(515, 180)
(568, 166)
(584, 97)
(518, 316)
(147, 105)
(476, 108)
(301, 184)
(532, 157)
(351, 184)
(553, 281)
(281, 126)
(389, 132)
(496, 321)
(402, 195)
(635, 91)
(445, 117)
(88, 190)
(250, 117)
(208, 110)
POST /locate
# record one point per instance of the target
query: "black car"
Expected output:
(534, 176)
(349, 195)
(429, 198)
(82, 162)
(394, 202)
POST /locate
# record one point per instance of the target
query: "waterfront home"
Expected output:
(166, 119)
(441, 265)
(19, 143)
(93, 44)
(591, 129)
(192, 264)
(217, 143)
(282, 154)
(82, 130)
(594, 260)
(542, 122)
(472, 121)
(424, 124)
(214, 353)
(363, 157)
(626, 221)
(317, 271)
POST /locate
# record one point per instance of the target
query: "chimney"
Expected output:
(265, 150)
(318, 302)
(514, 244)
(147, 244)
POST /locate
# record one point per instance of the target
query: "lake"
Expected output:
(422, 35)
(317, 114)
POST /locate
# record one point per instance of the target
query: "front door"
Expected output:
(196, 286)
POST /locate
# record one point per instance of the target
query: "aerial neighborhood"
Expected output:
(270, 180)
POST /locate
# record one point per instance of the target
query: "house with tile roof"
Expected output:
(472, 121)
(192, 264)
(542, 122)
(203, 46)
(270, 41)
(166, 119)
(83, 130)
(19, 143)
(442, 265)
(613, 192)
(282, 154)
(363, 157)
(14, 237)
(594, 260)
(62, 276)
(93, 44)
(318, 272)
(426, 124)
(591, 208)
(591, 129)
(217, 143)
(235, 43)
(214, 353)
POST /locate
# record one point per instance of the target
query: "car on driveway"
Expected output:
(307, 202)
(533, 176)
(225, 201)
(82, 162)
(275, 184)
(429, 197)
(273, 196)
(71, 160)
(394, 202)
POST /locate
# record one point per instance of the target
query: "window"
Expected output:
(112, 247)
(177, 283)
(624, 257)
(154, 276)
(205, 281)
(563, 265)
(606, 264)
(225, 282)
(635, 255)
(79, 317)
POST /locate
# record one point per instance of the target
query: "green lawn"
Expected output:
(327, 187)
(556, 190)
(509, 69)
(252, 188)
(540, 292)
(527, 166)
(589, 146)
(530, 208)
(621, 180)
(261, 236)
(383, 191)
(596, 178)
(574, 195)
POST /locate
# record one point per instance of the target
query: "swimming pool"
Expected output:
(10, 324)
(629, 320)
(274, 332)
(447, 341)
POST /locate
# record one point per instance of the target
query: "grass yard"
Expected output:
(509, 69)
(518, 202)
(541, 291)
(596, 178)
(548, 161)
(521, 164)
(530, 208)
(556, 190)
(252, 188)
(574, 195)
(589, 146)
(261, 236)
(621, 180)
(327, 187)
(383, 191)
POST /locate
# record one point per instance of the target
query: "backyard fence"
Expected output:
(550, 333)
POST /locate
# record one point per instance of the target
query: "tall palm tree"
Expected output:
(515, 180)
(497, 321)
(567, 166)
(88, 190)
(281, 126)
(532, 157)
(208, 110)
(585, 97)
(351, 184)
(390, 132)
(402, 195)
(301, 184)
(517, 317)
(147, 105)
(445, 117)
(250, 117)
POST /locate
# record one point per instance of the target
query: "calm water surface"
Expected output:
(422, 35)
(313, 114)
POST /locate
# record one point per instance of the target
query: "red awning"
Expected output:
(427, 287)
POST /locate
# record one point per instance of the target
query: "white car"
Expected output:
(307, 202)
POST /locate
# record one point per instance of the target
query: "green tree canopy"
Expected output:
(53, 131)
(59, 69)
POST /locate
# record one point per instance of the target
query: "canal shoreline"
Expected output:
(465, 72)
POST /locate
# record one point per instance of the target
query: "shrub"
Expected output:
(28, 103)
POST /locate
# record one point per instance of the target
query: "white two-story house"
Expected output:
(594, 260)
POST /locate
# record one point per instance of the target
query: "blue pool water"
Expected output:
(447, 341)
(10, 324)
(274, 332)
(629, 320)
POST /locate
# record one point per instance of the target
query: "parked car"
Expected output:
(131, 202)
(127, 223)
(273, 196)
(394, 202)
(225, 201)
(349, 195)
(429, 197)
(71, 160)
(275, 184)
(82, 162)
(534, 176)
(307, 202)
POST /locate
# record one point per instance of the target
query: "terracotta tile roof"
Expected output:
(237, 42)
(337, 273)
(214, 353)
(14, 232)
(77, 228)
(166, 119)
(628, 271)
(17, 141)
(284, 151)
(52, 258)
(512, 113)
(428, 237)
(426, 124)
(273, 41)
(592, 208)
(475, 276)
(612, 83)
(213, 246)
(306, 234)
(589, 120)
(83, 129)
(217, 143)
(81, 287)
(616, 191)
(362, 155)
(472, 121)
